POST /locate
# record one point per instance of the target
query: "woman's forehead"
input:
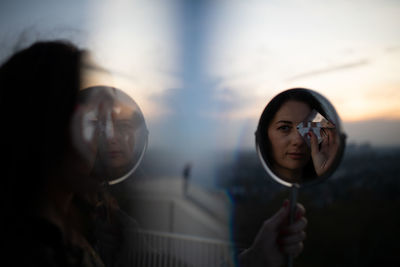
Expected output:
(293, 111)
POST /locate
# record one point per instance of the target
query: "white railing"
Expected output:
(175, 250)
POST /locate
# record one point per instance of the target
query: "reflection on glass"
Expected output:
(316, 123)
(296, 139)
(110, 129)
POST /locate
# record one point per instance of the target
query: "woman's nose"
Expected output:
(297, 139)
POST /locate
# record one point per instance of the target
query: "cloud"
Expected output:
(392, 49)
(341, 67)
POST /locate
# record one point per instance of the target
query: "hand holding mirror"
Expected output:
(299, 140)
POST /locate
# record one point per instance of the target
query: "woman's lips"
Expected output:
(114, 154)
(296, 155)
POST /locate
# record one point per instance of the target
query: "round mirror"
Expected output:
(299, 138)
(109, 131)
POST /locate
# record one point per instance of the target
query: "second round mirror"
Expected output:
(299, 137)
(110, 131)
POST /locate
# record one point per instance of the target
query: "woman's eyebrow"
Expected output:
(283, 121)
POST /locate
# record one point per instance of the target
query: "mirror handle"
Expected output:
(292, 211)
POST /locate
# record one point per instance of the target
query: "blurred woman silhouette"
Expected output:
(41, 169)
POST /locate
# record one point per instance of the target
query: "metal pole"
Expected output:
(292, 211)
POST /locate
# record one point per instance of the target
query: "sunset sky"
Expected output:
(347, 50)
(202, 71)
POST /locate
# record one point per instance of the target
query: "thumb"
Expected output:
(280, 216)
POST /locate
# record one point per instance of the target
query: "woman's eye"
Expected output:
(124, 126)
(284, 128)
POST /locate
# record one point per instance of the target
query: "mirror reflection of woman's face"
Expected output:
(290, 153)
(119, 142)
(120, 147)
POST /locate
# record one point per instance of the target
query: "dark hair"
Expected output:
(296, 94)
(38, 92)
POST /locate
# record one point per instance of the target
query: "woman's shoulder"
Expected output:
(38, 242)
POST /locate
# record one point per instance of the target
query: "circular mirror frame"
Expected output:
(143, 135)
(331, 111)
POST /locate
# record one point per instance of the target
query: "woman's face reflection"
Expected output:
(290, 153)
(119, 143)
(110, 132)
